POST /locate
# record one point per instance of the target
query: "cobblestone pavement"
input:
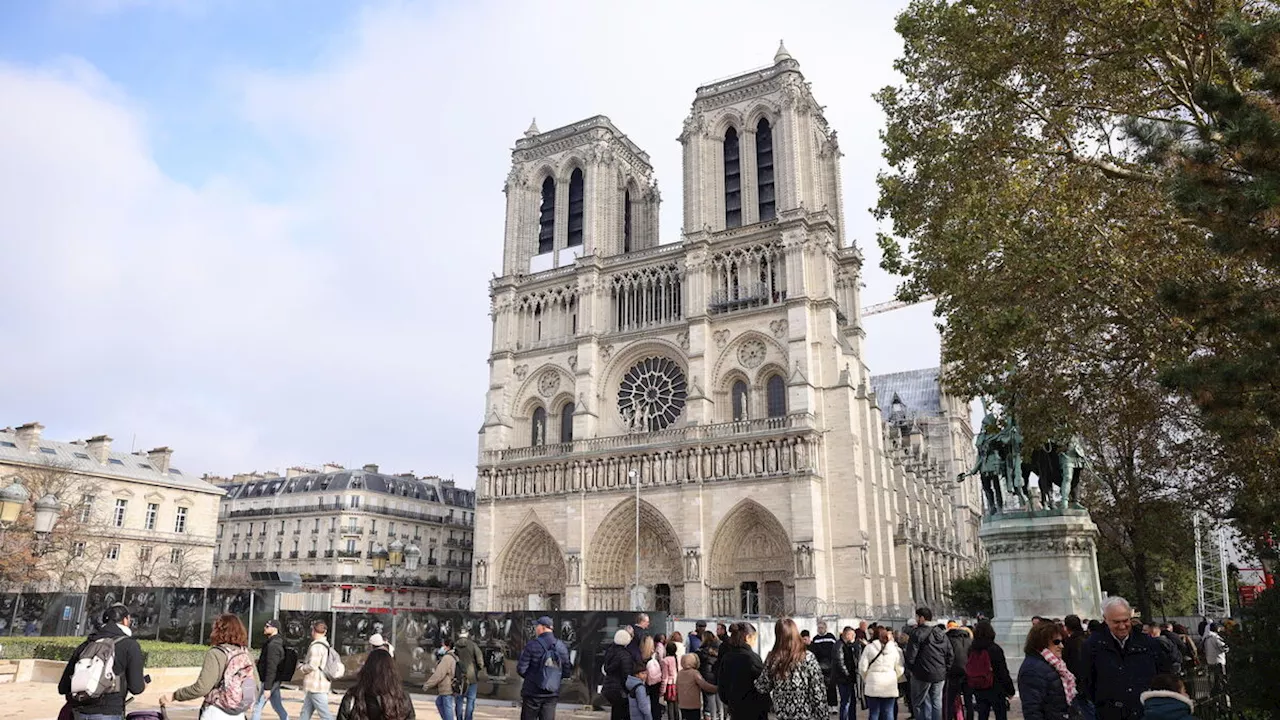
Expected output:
(39, 701)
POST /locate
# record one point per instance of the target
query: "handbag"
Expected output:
(672, 693)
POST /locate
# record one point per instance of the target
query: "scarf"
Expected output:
(1068, 680)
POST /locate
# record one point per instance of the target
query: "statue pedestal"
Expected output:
(1042, 563)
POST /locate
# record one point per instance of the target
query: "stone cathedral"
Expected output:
(714, 387)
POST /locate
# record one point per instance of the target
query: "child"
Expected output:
(690, 686)
(638, 694)
(1167, 699)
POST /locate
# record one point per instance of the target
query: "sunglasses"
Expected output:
(1057, 641)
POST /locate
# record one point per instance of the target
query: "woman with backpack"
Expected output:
(378, 693)
(986, 672)
(228, 680)
(880, 668)
(444, 680)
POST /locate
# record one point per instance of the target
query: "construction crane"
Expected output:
(885, 307)
(1213, 600)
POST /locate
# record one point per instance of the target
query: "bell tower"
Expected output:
(583, 189)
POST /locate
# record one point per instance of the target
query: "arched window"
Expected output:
(732, 180)
(547, 217)
(776, 396)
(662, 597)
(626, 220)
(739, 401)
(764, 171)
(539, 428)
(566, 423)
(576, 183)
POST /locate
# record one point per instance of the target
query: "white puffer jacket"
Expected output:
(880, 678)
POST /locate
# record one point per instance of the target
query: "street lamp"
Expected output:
(12, 500)
(1159, 586)
(395, 561)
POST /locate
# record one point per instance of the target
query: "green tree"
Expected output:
(1255, 659)
(972, 594)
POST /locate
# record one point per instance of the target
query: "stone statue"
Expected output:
(988, 465)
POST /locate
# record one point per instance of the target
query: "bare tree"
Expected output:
(184, 567)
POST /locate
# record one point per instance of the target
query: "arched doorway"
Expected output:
(532, 574)
(752, 569)
(611, 560)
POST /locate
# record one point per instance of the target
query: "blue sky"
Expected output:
(261, 232)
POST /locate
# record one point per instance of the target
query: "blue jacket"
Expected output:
(638, 699)
(1166, 705)
(1114, 678)
(531, 662)
(1041, 690)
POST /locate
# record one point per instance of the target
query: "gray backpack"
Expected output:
(94, 674)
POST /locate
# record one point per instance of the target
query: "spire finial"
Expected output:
(782, 54)
(533, 129)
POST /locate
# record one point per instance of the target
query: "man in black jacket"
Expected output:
(928, 657)
(846, 672)
(960, 639)
(1118, 664)
(824, 647)
(116, 624)
(269, 671)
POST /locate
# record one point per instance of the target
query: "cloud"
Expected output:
(345, 318)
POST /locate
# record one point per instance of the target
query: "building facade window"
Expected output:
(77, 549)
(113, 551)
(346, 595)
(86, 508)
(354, 502)
(175, 555)
(732, 180)
(577, 205)
(566, 423)
(117, 518)
(153, 509)
(547, 217)
(740, 401)
(180, 521)
(144, 554)
(776, 396)
(765, 200)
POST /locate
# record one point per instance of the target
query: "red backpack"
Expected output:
(978, 671)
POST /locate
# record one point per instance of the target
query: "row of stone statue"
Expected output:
(1003, 470)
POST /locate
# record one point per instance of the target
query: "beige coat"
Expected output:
(442, 679)
(314, 680)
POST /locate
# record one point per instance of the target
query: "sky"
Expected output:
(261, 232)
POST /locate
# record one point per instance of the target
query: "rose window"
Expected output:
(652, 394)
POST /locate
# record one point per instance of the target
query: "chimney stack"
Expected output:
(160, 458)
(99, 448)
(29, 435)
(332, 468)
(371, 468)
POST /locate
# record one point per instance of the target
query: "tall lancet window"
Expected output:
(764, 171)
(626, 220)
(547, 217)
(576, 182)
(538, 434)
(776, 396)
(566, 423)
(739, 401)
(732, 180)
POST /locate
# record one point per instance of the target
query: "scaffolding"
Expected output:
(1213, 600)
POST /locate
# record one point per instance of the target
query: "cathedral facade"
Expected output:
(704, 400)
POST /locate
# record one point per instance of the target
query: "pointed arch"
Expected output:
(751, 549)
(611, 559)
(530, 564)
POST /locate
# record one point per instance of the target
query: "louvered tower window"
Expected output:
(547, 217)
(764, 170)
(575, 208)
(626, 221)
(732, 180)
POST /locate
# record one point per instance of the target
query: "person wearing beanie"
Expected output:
(618, 665)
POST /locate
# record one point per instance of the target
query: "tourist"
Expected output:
(792, 678)
(695, 637)
(955, 690)
(824, 647)
(315, 681)
(379, 693)
(377, 643)
(544, 664)
(1166, 643)
(1073, 656)
(987, 673)
(881, 669)
(928, 657)
(639, 705)
(677, 639)
(1190, 656)
(617, 666)
(722, 632)
(652, 674)
(442, 681)
(227, 656)
(639, 631)
(739, 667)
(804, 637)
(670, 673)
(846, 672)
(470, 659)
(1045, 685)
(273, 670)
(708, 656)
(689, 688)
(116, 630)
(1119, 663)
(1167, 700)
(1215, 657)
(904, 681)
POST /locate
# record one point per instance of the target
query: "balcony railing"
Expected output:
(311, 554)
(276, 555)
(323, 507)
(349, 553)
(259, 556)
(293, 555)
(328, 554)
(352, 530)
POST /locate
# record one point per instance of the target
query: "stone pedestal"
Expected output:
(1042, 563)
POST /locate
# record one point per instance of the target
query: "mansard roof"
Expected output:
(406, 486)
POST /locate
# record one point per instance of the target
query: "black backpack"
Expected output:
(288, 665)
(459, 684)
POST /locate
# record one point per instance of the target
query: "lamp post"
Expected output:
(393, 561)
(12, 499)
(1159, 586)
(635, 589)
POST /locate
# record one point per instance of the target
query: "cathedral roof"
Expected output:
(919, 391)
